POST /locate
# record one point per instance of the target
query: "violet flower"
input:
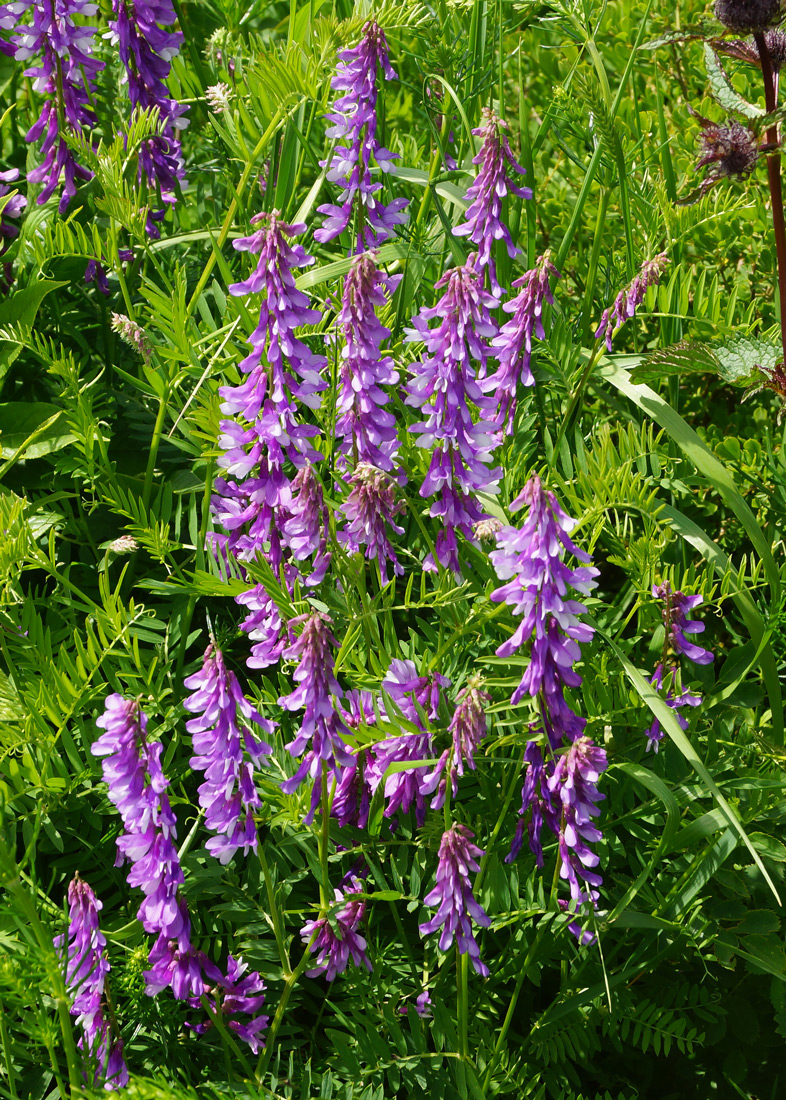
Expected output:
(483, 218)
(337, 942)
(64, 74)
(537, 801)
(137, 788)
(512, 346)
(319, 739)
(676, 701)
(365, 427)
(233, 994)
(223, 740)
(467, 728)
(369, 510)
(146, 50)
(676, 606)
(532, 557)
(87, 967)
(351, 799)
(12, 209)
(280, 367)
(630, 298)
(453, 896)
(305, 528)
(264, 627)
(354, 121)
(574, 784)
(444, 385)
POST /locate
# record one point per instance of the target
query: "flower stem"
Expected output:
(158, 431)
(275, 915)
(774, 178)
(324, 885)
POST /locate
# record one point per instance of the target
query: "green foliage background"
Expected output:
(669, 474)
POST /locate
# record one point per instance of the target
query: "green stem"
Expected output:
(597, 244)
(158, 431)
(515, 776)
(324, 839)
(574, 401)
(7, 1057)
(462, 961)
(275, 915)
(286, 993)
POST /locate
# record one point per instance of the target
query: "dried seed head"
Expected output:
(726, 150)
(747, 15)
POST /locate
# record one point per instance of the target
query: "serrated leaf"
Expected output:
(770, 847)
(722, 88)
(741, 355)
(678, 359)
(32, 428)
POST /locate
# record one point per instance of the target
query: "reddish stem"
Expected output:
(774, 177)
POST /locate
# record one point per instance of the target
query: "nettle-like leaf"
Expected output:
(736, 360)
(723, 90)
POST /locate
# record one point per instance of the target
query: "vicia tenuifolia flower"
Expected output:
(65, 75)
(630, 298)
(337, 941)
(132, 334)
(456, 904)
(483, 222)
(467, 728)
(512, 346)
(445, 385)
(87, 968)
(227, 749)
(369, 510)
(354, 122)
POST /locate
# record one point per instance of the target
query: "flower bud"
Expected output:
(746, 16)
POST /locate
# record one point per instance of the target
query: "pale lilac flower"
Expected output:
(12, 209)
(538, 801)
(132, 334)
(531, 559)
(333, 948)
(422, 1006)
(264, 626)
(218, 97)
(146, 51)
(453, 896)
(444, 386)
(369, 510)
(227, 750)
(483, 222)
(65, 74)
(319, 740)
(574, 784)
(676, 606)
(367, 430)
(512, 346)
(354, 121)
(87, 967)
(675, 701)
(630, 298)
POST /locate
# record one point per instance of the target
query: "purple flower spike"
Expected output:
(335, 949)
(264, 627)
(629, 299)
(87, 968)
(146, 51)
(532, 557)
(675, 701)
(319, 739)
(369, 509)
(444, 385)
(137, 788)
(453, 896)
(574, 783)
(468, 727)
(676, 606)
(483, 219)
(64, 75)
(305, 528)
(538, 802)
(237, 993)
(354, 122)
(366, 429)
(222, 740)
(12, 209)
(513, 344)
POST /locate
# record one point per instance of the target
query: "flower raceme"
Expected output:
(456, 904)
(87, 967)
(445, 384)
(630, 298)
(223, 738)
(338, 942)
(353, 121)
(483, 219)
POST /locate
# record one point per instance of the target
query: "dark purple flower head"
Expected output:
(337, 941)
(744, 16)
(354, 123)
(422, 1006)
(676, 606)
(468, 727)
(319, 740)
(453, 896)
(483, 222)
(367, 430)
(87, 968)
(64, 74)
(532, 557)
(512, 346)
(227, 750)
(444, 386)
(574, 784)
(537, 801)
(630, 298)
(675, 701)
(369, 510)
(146, 51)
(305, 526)
(232, 996)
